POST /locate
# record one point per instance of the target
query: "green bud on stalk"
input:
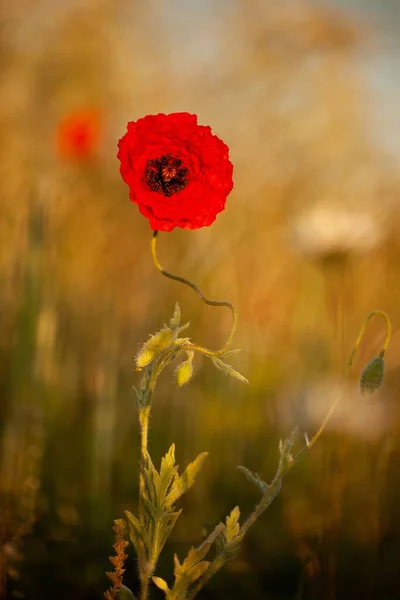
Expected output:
(154, 346)
(184, 371)
(372, 375)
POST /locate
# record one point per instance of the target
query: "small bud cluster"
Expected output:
(166, 345)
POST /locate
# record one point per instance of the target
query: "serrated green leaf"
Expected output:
(137, 531)
(254, 478)
(134, 522)
(168, 461)
(185, 481)
(151, 479)
(167, 523)
(197, 570)
(168, 472)
(228, 543)
(192, 568)
(195, 555)
(150, 509)
(125, 594)
(176, 317)
(232, 525)
(228, 369)
(177, 566)
(160, 583)
(193, 558)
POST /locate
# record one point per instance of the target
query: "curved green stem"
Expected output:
(199, 293)
(317, 435)
(383, 314)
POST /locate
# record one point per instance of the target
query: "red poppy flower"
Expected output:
(78, 134)
(179, 173)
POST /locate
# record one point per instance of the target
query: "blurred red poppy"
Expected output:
(179, 173)
(78, 134)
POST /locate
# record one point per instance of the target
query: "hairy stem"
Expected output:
(199, 293)
(264, 502)
(214, 567)
(144, 414)
(144, 590)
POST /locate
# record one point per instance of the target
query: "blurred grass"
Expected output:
(79, 293)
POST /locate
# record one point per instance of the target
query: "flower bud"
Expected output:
(372, 375)
(153, 347)
(184, 371)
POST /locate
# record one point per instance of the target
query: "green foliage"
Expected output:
(231, 536)
(228, 369)
(184, 482)
(254, 478)
(160, 492)
(286, 449)
(191, 570)
(165, 346)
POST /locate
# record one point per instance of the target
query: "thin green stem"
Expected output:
(200, 295)
(273, 488)
(144, 414)
(264, 503)
(144, 590)
(147, 562)
(383, 314)
(318, 434)
(214, 567)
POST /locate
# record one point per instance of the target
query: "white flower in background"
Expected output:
(356, 415)
(326, 230)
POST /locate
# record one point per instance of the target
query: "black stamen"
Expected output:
(166, 175)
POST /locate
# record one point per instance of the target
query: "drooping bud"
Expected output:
(153, 347)
(372, 375)
(184, 371)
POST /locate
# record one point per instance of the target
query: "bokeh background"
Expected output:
(306, 95)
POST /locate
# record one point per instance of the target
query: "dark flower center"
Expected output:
(166, 175)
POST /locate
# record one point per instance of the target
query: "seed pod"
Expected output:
(372, 375)
(184, 371)
(153, 347)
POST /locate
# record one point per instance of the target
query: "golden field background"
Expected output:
(308, 245)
